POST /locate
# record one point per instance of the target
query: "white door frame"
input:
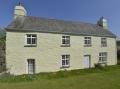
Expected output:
(89, 65)
(31, 65)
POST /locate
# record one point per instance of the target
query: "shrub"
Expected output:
(100, 65)
(118, 62)
(118, 54)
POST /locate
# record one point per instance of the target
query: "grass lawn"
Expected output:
(106, 78)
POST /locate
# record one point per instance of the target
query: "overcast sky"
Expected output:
(88, 11)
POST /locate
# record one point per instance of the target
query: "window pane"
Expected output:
(99, 54)
(63, 57)
(100, 58)
(103, 42)
(63, 36)
(28, 40)
(63, 62)
(67, 62)
(28, 35)
(33, 40)
(103, 57)
(87, 40)
(67, 56)
(33, 35)
(65, 39)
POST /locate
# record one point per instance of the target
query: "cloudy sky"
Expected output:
(88, 11)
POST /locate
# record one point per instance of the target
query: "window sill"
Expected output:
(30, 45)
(65, 45)
(65, 67)
(87, 45)
(105, 62)
(103, 46)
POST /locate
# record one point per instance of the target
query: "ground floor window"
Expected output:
(65, 60)
(103, 57)
(31, 66)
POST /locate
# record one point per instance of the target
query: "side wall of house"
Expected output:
(48, 52)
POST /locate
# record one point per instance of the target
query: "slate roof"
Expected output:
(40, 24)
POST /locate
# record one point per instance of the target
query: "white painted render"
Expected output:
(48, 52)
(19, 11)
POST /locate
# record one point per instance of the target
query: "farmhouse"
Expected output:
(37, 44)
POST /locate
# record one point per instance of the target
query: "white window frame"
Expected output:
(87, 41)
(31, 39)
(65, 59)
(66, 39)
(103, 42)
(103, 57)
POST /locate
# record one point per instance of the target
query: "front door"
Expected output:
(86, 61)
(31, 66)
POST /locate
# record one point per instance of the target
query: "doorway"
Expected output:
(87, 61)
(31, 66)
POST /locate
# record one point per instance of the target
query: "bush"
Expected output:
(118, 62)
(118, 54)
(118, 43)
(2, 69)
(100, 65)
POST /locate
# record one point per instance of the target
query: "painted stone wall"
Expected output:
(48, 52)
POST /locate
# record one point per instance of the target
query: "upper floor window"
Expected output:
(103, 42)
(65, 60)
(103, 57)
(87, 41)
(31, 39)
(66, 40)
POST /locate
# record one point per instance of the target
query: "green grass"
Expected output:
(105, 78)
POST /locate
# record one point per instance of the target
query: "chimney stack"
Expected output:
(19, 11)
(103, 23)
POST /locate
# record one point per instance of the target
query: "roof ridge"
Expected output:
(70, 21)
